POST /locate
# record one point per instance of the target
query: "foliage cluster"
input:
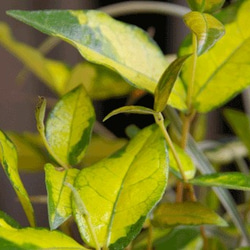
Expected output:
(158, 190)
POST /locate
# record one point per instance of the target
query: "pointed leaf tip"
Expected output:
(132, 110)
(166, 83)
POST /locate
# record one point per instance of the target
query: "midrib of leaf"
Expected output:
(71, 126)
(118, 196)
(221, 66)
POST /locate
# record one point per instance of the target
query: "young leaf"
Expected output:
(36, 238)
(102, 40)
(132, 110)
(185, 213)
(206, 28)
(53, 73)
(8, 159)
(69, 126)
(119, 192)
(240, 123)
(205, 5)
(226, 63)
(100, 82)
(59, 196)
(187, 164)
(230, 180)
(166, 83)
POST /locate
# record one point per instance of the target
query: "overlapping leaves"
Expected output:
(222, 66)
(68, 127)
(136, 177)
(8, 159)
(112, 44)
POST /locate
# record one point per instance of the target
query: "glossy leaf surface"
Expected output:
(35, 238)
(102, 40)
(230, 180)
(69, 126)
(59, 195)
(240, 123)
(53, 73)
(100, 82)
(206, 28)
(132, 110)
(227, 63)
(185, 213)
(118, 192)
(8, 159)
(187, 163)
(205, 5)
(166, 84)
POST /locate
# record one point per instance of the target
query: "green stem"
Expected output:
(160, 122)
(190, 90)
(136, 7)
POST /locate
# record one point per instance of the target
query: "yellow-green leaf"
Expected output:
(100, 82)
(166, 83)
(31, 157)
(101, 147)
(8, 159)
(36, 239)
(102, 40)
(119, 192)
(7, 222)
(186, 162)
(132, 110)
(240, 123)
(52, 73)
(69, 126)
(205, 5)
(206, 28)
(185, 213)
(230, 180)
(59, 196)
(225, 68)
